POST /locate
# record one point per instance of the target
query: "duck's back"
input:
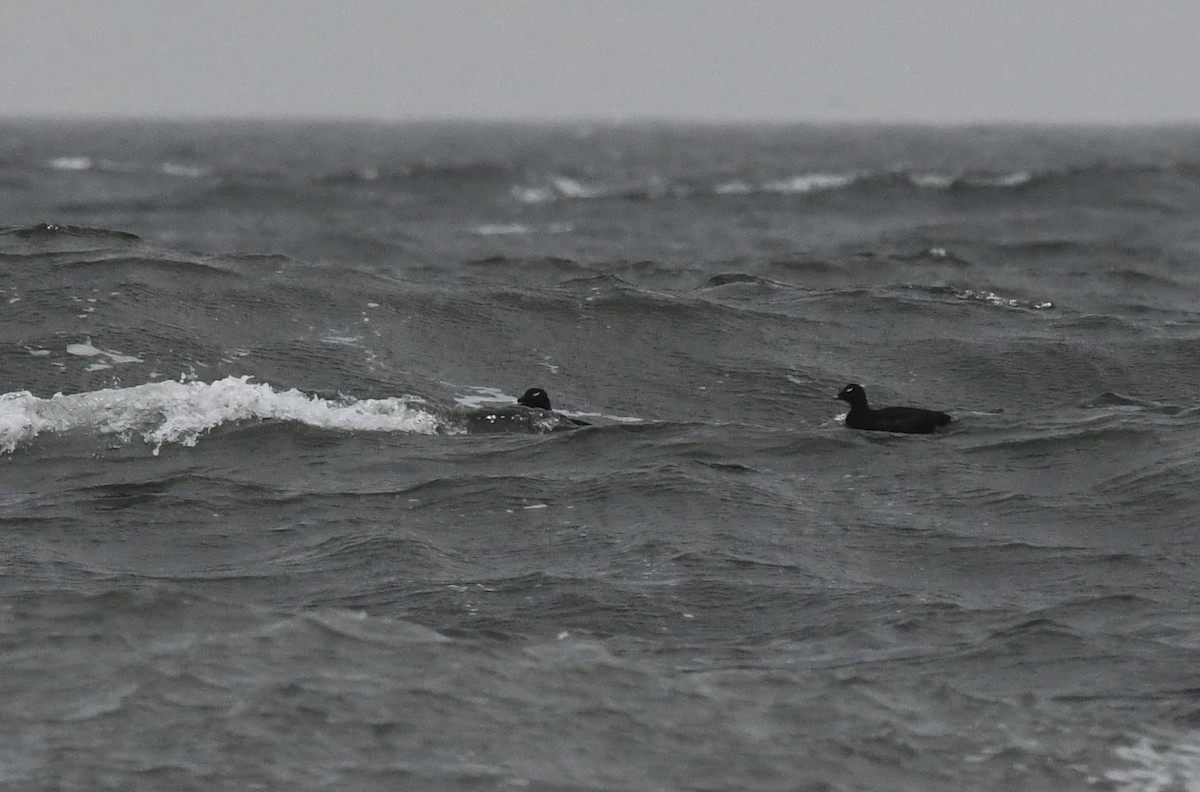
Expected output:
(908, 420)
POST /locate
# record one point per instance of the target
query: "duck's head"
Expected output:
(854, 394)
(536, 398)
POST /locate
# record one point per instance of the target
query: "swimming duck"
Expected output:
(538, 399)
(911, 420)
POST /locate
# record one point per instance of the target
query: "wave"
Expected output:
(564, 188)
(520, 229)
(816, 181)
(807, 183)
(1112, 400)
(987, 297)
(54, 230)
(909, 295)
(420, 173)
(166, 167)
(1165, 759)
(742, 279)
(182, 412)
(1136, 436)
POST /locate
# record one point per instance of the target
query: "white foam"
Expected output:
(183, 171)
(1014, 179)
(558, 187)
(503, 229)
(623, 419)
(341, 340)
(736, 187)
(90, 350)
(932, 181)
(571, 188)
(83, 350)
(71, 163)
(533, 195)
(180, 412)
(1158, 764)
(811, 182)
(991, 298)
(478, 397)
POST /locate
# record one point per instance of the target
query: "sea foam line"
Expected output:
(1160, 762)
(560, 188)
(180, 412)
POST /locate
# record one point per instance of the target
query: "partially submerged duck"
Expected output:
(538, 399)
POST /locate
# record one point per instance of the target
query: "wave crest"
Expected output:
(54, 230)
(180, 412)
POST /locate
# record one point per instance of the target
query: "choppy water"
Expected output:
(269, 519)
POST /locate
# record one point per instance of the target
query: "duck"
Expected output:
(538, 399)
(909, 420)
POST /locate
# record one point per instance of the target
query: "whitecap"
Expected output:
(1157, 764)
(533, 195)
(991, 298)
(1014, 179)
(811, 182)
(181, 412)
(502, 229)
(72, 163)
(931, 181)
(570, 188)
(183, 171)
(736, 187)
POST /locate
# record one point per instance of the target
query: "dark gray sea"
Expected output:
(269, 518)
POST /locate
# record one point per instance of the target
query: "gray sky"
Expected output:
(936, 61)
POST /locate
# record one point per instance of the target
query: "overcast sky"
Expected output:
(935, 61)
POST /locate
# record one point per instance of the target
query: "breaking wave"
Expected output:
(181, 412)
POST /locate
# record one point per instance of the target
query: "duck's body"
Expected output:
(908, 420)
(538, 399)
